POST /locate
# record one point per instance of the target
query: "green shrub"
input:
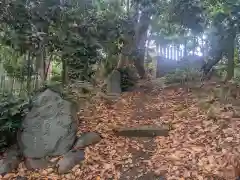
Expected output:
(182, 76)
(127, 78)
(56, 78)
(175, 77)
(17, 68)
(236, 79)
(220, 70)
(12, 111)
(56, 72)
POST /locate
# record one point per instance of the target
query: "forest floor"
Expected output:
(204, 142)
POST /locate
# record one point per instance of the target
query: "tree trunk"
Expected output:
(47, 69)
(230, 69)
(40, 65)
(64, 71)
(29, 77)
(230, 45)
(128, 6)
(230, 55)
(236, 55)
(237, 50)
(121, 61)
(47, 64)
(140, 54)
(140, 41)
(208, 66)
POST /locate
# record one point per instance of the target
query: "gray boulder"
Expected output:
(69, 160)
(49, 129)
(142, 131)
(87, 139)
(33, 164)
(11, 160)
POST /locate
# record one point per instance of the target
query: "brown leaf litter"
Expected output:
(197, 147)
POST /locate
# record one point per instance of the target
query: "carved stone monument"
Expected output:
(49, 129)
(114, 83)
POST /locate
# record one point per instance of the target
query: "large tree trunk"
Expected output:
(29, 77)
(230, 69)
(216, 58)
(40, 64)
(230, 53)
(141, 24)
(121, 61)
(217, 50)
(140, 42)
(135, 37)
(64, 71)
(237, 49)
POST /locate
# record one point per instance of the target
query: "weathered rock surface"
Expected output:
(49, 129)
(114, 83)
(69, 160)
(10, 161)
(87, 139)
(32, 163)
(142, 131)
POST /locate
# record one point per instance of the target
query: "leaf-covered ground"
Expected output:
(204, 142)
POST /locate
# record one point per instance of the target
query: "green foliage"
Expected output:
(221, 70)
(13, 63)
(77, 33)
(56, 72)
(17, 68)
(56, 78)
(187, 13)
(127, 79)
(219, 17)
(236, 56)
(183, 76)
(85, 33)
(108, 64)
(12, 111)
(236, 77)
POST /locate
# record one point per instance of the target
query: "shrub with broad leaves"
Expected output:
(12, 111)
(183, 75)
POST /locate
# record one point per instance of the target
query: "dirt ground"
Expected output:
(204, 142)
